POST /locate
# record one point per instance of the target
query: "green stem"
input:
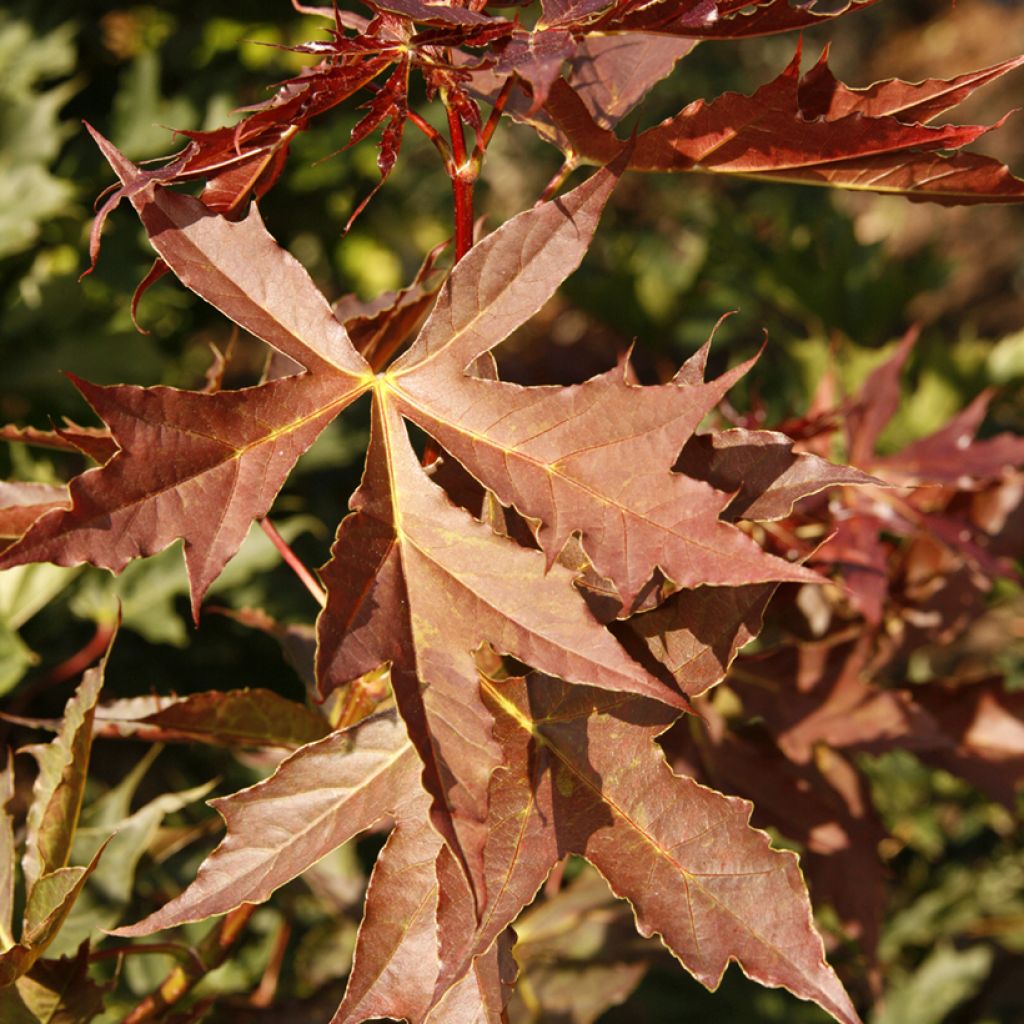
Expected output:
(210, 954)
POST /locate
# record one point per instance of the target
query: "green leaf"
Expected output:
(104, 899)
(16, 658)
(49, 903)
(7, 856)
(59, 787)
(947, 978)
(31, 132)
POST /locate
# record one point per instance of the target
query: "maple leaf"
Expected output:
(421, 585)
(228, 451)
(572, 759)
(823, 804)
(21, 504)
(762, 471)
(931, 471)
(864, 145)
(581, 774)
(418, 585)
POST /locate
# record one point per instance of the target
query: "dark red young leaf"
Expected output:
(426, 13)
(612, 74)
(557, 12)
(237, 163)
(768, 135)
(739, 19)
(390, 105)
(821, 94)
(536, 57)
(676, 17)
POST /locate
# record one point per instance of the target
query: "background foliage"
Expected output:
(831, 277)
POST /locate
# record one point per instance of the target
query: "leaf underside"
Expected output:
(537, 650)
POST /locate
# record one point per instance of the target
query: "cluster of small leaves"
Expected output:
(513, 618)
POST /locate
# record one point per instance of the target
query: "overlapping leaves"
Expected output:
(573, 76)
(416, 583)
(491, 777)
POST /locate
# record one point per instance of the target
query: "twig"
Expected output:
(436, 138)
(176, 949)
(463, 175)
(210, 954)
(267, 988)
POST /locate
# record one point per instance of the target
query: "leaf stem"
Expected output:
(175, 949)
(483, 140)
(558, 179)
(293, 562)
(210, 954)
(436, 138)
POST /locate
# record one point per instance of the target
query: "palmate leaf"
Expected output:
(420, 586)
(228, 452)
(874, 139)
(539, 449)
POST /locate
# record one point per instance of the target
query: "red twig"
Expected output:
(463, 175)
(267, 988)
(74, 666)
(169, 948)
(293, 562)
